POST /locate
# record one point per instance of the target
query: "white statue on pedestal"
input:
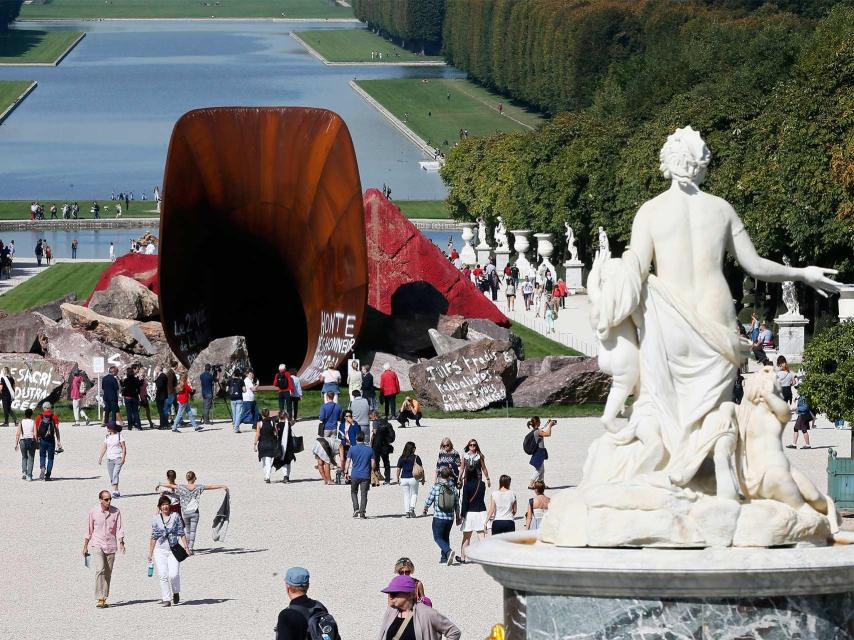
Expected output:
(670, 475)
(500, 236)
(790, 295)
(481, 234)
(604, 245)
(570, 243)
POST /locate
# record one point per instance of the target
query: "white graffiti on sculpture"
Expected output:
(688, 468)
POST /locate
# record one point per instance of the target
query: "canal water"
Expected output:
(101, 120)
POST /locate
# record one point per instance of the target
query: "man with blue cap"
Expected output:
(304, 618)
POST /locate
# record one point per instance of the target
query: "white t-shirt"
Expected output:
(28, 428)
(331, 375)
(249, 392)
(785, 377)
(114, 446)
(503, 504)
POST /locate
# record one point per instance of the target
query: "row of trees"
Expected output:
(415, 24)
(9, 10)
(771, 96)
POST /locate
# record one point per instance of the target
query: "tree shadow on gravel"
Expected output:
(188, 603)
(130, 602)
(234, 551)
(82, 478)
(140, 495)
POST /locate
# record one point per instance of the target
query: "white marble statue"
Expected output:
(500, 236)
(570, 243)
(481, 234)
(668, 476)
(604, 245)
(790, 294)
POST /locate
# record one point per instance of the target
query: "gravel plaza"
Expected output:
(233, 590)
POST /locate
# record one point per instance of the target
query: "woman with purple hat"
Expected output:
(406, 619)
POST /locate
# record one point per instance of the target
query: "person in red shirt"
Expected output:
(47, 431)
(389, 388)
(183, 391)
(284, 385)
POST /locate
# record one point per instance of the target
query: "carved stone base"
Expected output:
(640, 515)
(791, 337)
(573, 275)
(664, 594)
(502, 258)
(483, 254)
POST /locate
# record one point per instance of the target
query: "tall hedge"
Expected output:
(9, 10)
(415, 24)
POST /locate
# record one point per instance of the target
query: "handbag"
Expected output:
(297, 444)
(418, 472)
(320, 430)
(375, 478)
(177, 550)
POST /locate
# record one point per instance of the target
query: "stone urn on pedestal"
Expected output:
(545, 249)
(467, 253)
(521, 245)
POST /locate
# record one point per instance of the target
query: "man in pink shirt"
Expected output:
(106, 534)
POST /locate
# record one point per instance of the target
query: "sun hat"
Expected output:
(297, 577)
(400, 584)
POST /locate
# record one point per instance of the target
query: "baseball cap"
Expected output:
(400, 584)
(297, 577)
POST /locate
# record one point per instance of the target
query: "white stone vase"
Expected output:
(521, 245)
(467, 253)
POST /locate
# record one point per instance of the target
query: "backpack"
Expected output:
(46, 427)
(803, 406)
(235, 389)
(282, 382)
(321, 623)
(529, 444)
(446, 500)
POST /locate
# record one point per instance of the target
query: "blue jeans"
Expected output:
(284, 401)
(46, 448)
(442, 536)
(236, 413)
(184, 409)
(171, 400)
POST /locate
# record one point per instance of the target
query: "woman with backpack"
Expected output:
(535, 446)
(802, 424)
(410, 471)
(47, 431)
(189, 496)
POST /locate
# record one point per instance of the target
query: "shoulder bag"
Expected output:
(418, 471)
(177, 550)
(403, 627)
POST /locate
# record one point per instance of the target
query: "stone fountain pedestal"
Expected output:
(585, 593)
(791, 336)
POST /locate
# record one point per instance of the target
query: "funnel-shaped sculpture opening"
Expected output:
(262, 235)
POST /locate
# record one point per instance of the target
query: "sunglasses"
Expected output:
(405, 572)
(472, 444)
(107, 499)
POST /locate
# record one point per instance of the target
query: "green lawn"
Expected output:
(356, 45)
(423, 208)
(11, 90)
(25, 45)
(52, 283)
(20, 209)
(73, 9)
(438, 120)
(538, 346)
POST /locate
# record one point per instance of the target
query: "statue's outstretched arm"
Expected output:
(741, 247)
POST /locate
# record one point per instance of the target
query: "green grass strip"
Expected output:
(52, 283)
(76, 9)
(356, 45)
(10, 91)
(538, 346)
(415, 209)
(425, 107)
(18, 46)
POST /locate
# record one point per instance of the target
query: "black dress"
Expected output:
(269, 440)
(284, 443)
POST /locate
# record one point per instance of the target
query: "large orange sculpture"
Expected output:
(262, 235)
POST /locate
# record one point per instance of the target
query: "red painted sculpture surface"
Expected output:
(138, 266)
(399, 254)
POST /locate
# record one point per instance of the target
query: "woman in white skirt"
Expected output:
(472, 511)
(115, 448)
(167, 529)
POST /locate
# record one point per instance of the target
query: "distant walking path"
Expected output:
(495, 108)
